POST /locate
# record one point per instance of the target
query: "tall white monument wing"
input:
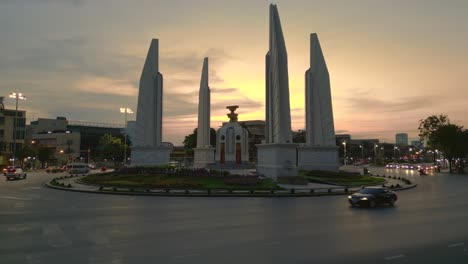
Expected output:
(319, 111)
(203, 131)
(278, 115)
(149, 112)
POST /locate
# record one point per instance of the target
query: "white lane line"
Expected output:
(31, 188)
(187, 256)
(273, 243)
(395, 257)
(456, 245)
(15, 198)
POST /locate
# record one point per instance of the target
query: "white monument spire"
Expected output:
(319, 112)
(204, 152)
(203, 131)
(278, 115)
(149, 113)
(277, 156)
(320, 151)
(148, 149)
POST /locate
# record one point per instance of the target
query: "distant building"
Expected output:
(76, 138)
(7, 117)
(65, 146)
(91, 133)
(417, 144)
(401, 139)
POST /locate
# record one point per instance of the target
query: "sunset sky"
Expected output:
(391, 63)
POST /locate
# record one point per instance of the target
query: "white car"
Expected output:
(15, 173)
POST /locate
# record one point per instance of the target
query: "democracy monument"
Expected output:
(278, 156)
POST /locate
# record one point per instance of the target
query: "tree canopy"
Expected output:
(111, 147)
(429, 125)
(439, 134)
(190, 141)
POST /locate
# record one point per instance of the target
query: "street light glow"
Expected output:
(126, 110)
(17, 96)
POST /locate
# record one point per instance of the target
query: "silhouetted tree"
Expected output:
(190, 141)
(449, 139)
(429, 125)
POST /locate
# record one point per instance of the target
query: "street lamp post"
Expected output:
(344, 152)
(394, 154)
(362, 152)
(375, 154)
(17, 97)
(125, 111)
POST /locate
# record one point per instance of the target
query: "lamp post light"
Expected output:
(17, 97)
(125, 111)
(375, 154)
(362, 152)
(344, 152)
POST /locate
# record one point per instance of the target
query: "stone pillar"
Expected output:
(320, 151)
(204, 152)
(148, 149)
(278, 156)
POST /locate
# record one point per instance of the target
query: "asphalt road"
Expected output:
(41, 225)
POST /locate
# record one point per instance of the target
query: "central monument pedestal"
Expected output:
(203, 157)
(151, 156)
(323, 158)
(277, 160)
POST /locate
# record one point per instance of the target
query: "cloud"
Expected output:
(363, 101)
(108, 86)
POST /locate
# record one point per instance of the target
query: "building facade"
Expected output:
(7, 121)
(401, 139)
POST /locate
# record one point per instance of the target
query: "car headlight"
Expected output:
(349, 197)
(364, 199)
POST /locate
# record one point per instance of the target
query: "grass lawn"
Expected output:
(170, 181)
(341, 178)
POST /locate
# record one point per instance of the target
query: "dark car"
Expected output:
(373, 196)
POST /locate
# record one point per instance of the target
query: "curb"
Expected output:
(184, 193)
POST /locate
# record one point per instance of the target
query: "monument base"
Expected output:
(151, 156)
(277, 160)
(203, 157)
(323, 158)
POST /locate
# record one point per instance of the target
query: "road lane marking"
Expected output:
(15, 198)
(186, 256)
(31, 188)
(274, 243)
(395, 257)
(456, 245)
